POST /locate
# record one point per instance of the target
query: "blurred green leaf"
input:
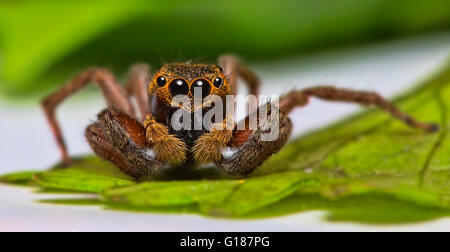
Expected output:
(19, 178)
(84, 175)
(377, 208)
(44, 42)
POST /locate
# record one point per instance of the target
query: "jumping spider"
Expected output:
(120, 138)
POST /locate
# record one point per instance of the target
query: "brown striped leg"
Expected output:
(114, 94)
(137, 86)
(328, 93)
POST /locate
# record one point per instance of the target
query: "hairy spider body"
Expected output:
(140, 144)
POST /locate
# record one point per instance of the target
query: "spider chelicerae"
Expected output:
(142, 140)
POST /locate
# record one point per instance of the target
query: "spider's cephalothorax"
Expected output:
(141, 143)
(181, 79)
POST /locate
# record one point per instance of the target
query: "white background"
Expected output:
(26, 143)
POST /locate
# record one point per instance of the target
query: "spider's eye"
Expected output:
(218, 82)
(202, 85)
(178, 87)
(161, 81)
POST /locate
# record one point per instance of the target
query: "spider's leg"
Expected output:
(329, 93)
(248, 148)
(120, 139)
(250, 151)
(105, 150)
(114, 94)
(232, 69)
(137, 86)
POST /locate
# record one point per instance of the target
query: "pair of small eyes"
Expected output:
(181, 87)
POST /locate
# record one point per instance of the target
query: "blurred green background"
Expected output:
(44, 42)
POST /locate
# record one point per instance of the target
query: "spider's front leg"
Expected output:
(249, 148)
(120, 139)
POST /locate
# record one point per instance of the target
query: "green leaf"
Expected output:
(84, 175)
(78, 202)
(375, 208)
(19, 178)
(220, 197)
(174, 193)
(374, 153)
(368, 168)
(258, 192)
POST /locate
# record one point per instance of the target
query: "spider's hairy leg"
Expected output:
(233, 68)
(114, 94)
(248, 147)
(125, 140)
(136, 86)
(250, 151)
(300, 98)
(105, 150)
(167, 147)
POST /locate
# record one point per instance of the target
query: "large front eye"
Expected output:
(202, 85)
(161, 81)
(218, 82)
(179, 87)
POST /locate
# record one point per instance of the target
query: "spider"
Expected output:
(140, 144)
